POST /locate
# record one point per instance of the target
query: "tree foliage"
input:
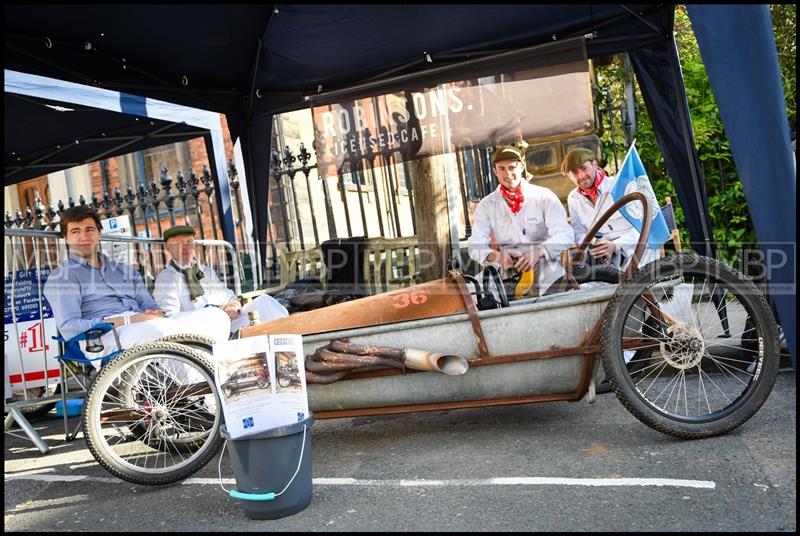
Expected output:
(730, 218)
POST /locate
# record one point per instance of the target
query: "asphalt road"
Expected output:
(438, 472)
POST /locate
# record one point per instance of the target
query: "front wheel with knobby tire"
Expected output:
(152, 415)
(669, 357)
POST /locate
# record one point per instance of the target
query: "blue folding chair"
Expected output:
(74, 361)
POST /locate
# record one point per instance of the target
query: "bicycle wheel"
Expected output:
(151, 415)
(687, 377)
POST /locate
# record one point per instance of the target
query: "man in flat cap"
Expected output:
(185, 285)
(520, 225)
(89, 288)
(591, 199)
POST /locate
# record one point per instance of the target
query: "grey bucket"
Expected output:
(263, 464)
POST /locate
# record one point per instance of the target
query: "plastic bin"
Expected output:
(264, 463)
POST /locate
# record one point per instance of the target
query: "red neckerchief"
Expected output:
(514, 199)
(591, 193)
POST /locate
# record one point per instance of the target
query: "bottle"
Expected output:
(597, 236)
(254, 317)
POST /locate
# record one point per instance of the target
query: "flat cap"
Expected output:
(506, 152)
(177, 230)
(575, 158)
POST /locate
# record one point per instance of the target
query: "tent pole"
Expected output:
(682, 106)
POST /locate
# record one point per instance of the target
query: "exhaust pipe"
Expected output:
(450, 364)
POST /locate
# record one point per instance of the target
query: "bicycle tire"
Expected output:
(137, 459)
(688, 355)
(601, 274)
(201, 342)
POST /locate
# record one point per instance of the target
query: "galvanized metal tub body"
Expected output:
(548, 323)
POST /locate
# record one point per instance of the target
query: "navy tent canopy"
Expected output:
(63, 135)
(250, 62)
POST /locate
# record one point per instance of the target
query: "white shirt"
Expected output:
(541, 221)
(171, 291)
(617, 228)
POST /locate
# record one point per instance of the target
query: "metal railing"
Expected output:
(151, 208)
(370, 187)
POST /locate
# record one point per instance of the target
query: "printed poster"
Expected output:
(261, 382)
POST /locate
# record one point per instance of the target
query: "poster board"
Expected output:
(29, 347)
(261, 382)
(117, 251)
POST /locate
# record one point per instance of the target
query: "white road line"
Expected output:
(516, 481)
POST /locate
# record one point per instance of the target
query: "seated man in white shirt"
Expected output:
(520, 225)
(185, 285)
(590, 200)
(89, 288)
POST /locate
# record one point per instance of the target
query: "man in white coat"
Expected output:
(520, 225)
(591, 199)
(185, 285)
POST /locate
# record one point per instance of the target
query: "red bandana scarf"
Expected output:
(591, 193)
(514, 199)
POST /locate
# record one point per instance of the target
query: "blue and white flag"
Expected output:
(633, 178)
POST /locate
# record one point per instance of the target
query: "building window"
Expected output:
(174, 157)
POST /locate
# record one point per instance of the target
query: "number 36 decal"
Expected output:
(416, 297)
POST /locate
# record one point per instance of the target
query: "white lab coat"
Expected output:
(171, 293)
(617, 228)
(542, 221)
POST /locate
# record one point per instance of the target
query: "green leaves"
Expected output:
(727, 206)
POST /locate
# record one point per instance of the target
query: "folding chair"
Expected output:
(75, 363)
(669, 217)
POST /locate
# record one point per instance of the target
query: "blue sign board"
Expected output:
(27, 290)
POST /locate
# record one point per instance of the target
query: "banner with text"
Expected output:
(485, 112)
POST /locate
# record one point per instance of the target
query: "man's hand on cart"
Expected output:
(602, 249)
(527, 258)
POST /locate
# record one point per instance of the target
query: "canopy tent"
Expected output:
(76, 134)
(252, 61)
(53, 125)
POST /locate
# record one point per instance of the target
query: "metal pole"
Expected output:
(328, 205)
(355, 164)
(304, 156)
(343, 192)
(277, 172)
(451, 186)
(410, 196)
(464, 190)
(208, 189)
(288, 160)
(142, 196)
(370, 159)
